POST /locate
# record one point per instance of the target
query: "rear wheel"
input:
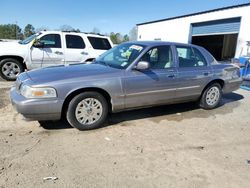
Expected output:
(10, 68)
(211, 97)
(87, 111)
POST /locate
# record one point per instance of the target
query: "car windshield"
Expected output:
(29, 39)
(120, 56)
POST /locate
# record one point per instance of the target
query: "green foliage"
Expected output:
(117, 38)
(10, 31)
(13, 31)
(125, 38)
(29, 30)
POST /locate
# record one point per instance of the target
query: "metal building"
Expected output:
(224, 31)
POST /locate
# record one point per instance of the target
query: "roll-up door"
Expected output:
(224, 26)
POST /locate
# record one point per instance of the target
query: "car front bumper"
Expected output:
(36, 109)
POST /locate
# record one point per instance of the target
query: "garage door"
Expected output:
(224, 26)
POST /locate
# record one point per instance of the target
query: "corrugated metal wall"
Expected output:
(231, 25)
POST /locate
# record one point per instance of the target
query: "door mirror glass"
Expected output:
(38, 44)
(142, 65)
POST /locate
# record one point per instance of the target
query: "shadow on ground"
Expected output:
(176, 112)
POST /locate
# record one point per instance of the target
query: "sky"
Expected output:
(106, 15)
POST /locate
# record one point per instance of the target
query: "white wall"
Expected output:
(178, 30)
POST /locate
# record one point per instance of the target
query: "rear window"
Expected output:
(99, 43)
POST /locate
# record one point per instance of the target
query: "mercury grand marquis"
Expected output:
(128, 76)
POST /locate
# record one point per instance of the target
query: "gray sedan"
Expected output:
(131, 75)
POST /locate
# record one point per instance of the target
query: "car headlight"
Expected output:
(34, 92)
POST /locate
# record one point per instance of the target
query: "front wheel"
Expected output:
(211, 97)
(10, 68)
(87, 111)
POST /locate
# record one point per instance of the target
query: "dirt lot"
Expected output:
(170, 146)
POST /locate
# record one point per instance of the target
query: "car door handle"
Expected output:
(58, 53)
(171, 76)
(206, 73)
(84, 53)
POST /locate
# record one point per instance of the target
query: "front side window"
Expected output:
(190, 57)
(51, 41)
(120, 56)
(74, 42)
(99, 43)
(159, 57)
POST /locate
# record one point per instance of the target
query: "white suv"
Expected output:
(50, 48)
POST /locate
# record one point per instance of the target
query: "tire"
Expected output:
(211, 97)
(10, 68)
(87, 111)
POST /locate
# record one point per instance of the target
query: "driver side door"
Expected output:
(155, 85)
(50, 54)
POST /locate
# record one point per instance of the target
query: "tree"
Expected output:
(66, 28)
(78, 30)
(29, 30)
(133, 34)
(10, 31)
(125, 38)
(116, 38)
(96, 30)
(42, 28)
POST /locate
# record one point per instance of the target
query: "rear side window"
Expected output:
(99, 43)
(75, 42)
(190, 57)
(201, 61)
(51, 41)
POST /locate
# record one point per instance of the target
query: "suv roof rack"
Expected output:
(84, 33)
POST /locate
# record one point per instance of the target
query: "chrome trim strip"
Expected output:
(163, 90)
(191, 87)
(149, 92)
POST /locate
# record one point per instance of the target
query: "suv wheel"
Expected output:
(87, 111)
(10, 68)
(211, 97)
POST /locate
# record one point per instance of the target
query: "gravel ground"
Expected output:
(169, 146)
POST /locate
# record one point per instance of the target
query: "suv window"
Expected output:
(74, 41)
(99, 43)
(190, 57)
(51, 41)
(159, 57)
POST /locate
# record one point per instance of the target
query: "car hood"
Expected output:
(72, 73)
(10, 48)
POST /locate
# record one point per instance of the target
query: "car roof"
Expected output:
(77, 33)
(159, 43)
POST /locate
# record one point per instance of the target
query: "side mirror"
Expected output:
(38, 44)
(142, 65)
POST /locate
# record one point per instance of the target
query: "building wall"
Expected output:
(179, 30)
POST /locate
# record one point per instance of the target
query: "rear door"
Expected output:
(75, 49)
(193, 72)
